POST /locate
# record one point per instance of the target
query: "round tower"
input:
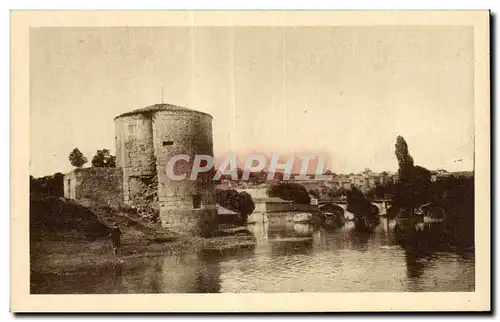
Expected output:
(146, 139)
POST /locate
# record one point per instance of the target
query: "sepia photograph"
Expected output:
(257, 153)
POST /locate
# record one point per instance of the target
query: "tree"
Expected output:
(414, 181)
(330, 173)
(289, 191)
(363, 210)
(246, 204)
(76, 158)
(315, 192)
(337, 193)
(48, 185)
(405, 160)
(240, 202)
(382, 191)
(278, 176)
(258, 177)
(103, 159)
(239, 171)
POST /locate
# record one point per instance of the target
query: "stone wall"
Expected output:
(70, 183)
(185, 204)
(183, 133)
(192, 221)
(97, 185)
(272, 211)
(135, 155)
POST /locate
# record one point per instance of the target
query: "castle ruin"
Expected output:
(146, 139)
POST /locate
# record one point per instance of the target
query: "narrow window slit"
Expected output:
(196, 201)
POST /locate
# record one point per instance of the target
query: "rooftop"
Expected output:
(159, 108)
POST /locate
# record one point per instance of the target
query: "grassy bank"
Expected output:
(67, 255)
(66, 236)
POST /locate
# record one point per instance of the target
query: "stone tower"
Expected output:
(146, 139)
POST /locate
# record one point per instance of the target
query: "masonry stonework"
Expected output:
(95, 185)
(146, 139)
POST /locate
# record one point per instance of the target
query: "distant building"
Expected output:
(360, 181)
(226, 185)
(373, 181)
(364, 181)
(341, 182)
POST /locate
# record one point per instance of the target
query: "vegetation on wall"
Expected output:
(146, 200)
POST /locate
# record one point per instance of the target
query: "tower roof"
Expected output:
(160, 108)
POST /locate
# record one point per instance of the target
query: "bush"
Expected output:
(289, 191)
(337, 193)
(76, 158)
(383, 191)
(50, 185)
(240, 202)
(55, 218)
(104, 159)
(315, 192)
(360, 206)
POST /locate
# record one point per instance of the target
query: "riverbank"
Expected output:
(71, 255)
(66, 235)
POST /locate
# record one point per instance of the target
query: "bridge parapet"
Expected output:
(380, 204)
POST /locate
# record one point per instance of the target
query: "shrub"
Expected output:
(240, 202)
(49, 185)
(76, 158)
(103, 159)
(289, 191)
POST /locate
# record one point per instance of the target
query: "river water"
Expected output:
(290, 257)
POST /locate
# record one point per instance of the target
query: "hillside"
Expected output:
(57, 218)
(61, 228)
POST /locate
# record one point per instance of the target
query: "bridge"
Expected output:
(381, 204)
(428, 211)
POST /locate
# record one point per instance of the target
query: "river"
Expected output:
(290, 257)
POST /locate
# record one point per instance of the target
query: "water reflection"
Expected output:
(431, 243)
(290, 257)
(193, 273)
(303, 229)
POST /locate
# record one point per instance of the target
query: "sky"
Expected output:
(341, 91)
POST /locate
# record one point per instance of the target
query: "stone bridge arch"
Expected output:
(381, 205)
